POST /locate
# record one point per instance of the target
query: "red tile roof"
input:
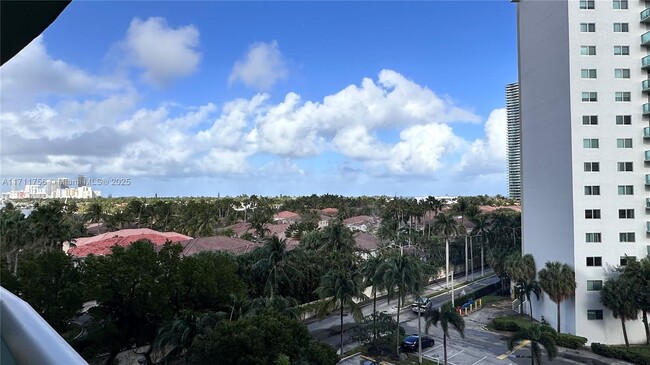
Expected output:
(366, 242)
(217, 243)
(490, 209)
(286, 215)
(101, 244)
(330, 211)
(359, 219)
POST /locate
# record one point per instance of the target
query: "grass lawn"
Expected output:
(489, 299)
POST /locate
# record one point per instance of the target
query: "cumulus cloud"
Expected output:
(261, 67)
(488, 155)
(165, 53)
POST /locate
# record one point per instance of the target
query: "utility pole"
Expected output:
(447, 262)
(482, 262)
(471, 250)
(466, 261)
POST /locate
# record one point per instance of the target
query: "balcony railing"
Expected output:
(647, 203)
(647, 156)
(645, 16)
(647, 179)
(645, 86)
(647, 227)
(27, 338)
(646, 132)
(646, 109)
(645, 39)
(645, 62)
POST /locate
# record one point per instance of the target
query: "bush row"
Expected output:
(632, 354)
(514, 324)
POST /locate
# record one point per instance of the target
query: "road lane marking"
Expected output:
(484, 357)
(458, 353)
(508, 353)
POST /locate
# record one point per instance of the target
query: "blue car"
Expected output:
(410, 343)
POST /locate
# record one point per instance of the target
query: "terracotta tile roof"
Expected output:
(359, 219)
(217, 243)
(330, 211)
(490, 209)
(366, 242)
(101, 244)
(286, 215)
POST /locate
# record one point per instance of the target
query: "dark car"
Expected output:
(421, 305)
(410, 343)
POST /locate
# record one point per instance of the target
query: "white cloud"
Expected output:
(488, 155)
(165, 53)
(261, 67)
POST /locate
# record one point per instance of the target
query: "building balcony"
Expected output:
(647, 179)
(645, 16)
(647, 156)
(647, 227)
(645, 39)
(646, 132)
(645, 86)
(645, 62)
(28, 339)
(646, 109)
(647, 203)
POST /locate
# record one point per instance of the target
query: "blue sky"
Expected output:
(293, 98)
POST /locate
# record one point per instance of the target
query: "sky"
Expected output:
(270, 98)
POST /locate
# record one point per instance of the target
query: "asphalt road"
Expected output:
(328, 329)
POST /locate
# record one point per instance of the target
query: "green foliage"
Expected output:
(256, 340)
(618, 294)
(558, 281)
(569, 341)
(377, 332)
(49, 282)
(511, 324)
(515, 324)
(637, 355)
(538, 336)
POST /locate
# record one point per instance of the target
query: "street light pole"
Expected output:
(471, 250)
(466, 261)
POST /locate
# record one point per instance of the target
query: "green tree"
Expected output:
(558, 281)
(49, 282)
(402, 275)
(637, 274)
(274, 265)
(446, 226)
(618, 294)
(179, 333)
(538, 337)
(522, 270)
(339, 289)
(445, 316)
(369, 270)
(377, 331)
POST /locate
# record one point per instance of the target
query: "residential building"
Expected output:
(514, 141)
(583, 86)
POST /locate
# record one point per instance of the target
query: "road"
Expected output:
(328, 329)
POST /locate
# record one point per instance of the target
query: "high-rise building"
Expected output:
(514, 141)
(583, 82)
(81, 181)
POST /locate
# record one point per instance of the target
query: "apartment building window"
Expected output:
(588, 27)
(626, 213)
(590, 119)
(587, 4)
(592, 213)
(622, 96)
(594, 261)
(590, 143)
(592, 166)
(594, 314)
(594, 285)
(625, 190)
(592, 190)
(626, 237)
(622, 73)
(593, 237)
(620, 4)
(624, 166)
(625, 259)
(588, 50)
(621, 50)
(623, 120)
(588, 73)
(621, 27)
(623, 142)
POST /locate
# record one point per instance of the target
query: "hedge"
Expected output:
(514, 324)
(633, 354)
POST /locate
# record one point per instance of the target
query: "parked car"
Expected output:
(410, 343)
(421, 304)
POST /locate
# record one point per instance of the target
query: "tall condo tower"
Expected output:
(585, 107)
(514, 141)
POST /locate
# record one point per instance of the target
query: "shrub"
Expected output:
(512, 324)
(568, 340)
(632, 354)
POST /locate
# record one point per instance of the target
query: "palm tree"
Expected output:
(618, 294)
(445, 316)
(538, 336)
(522, 270)
(482, 227)
(274, 264)
(527, 289)
(637, 273)
(446, 225)
(340, 287)
(180, 332)
(496, 258)
(402, 275)
(558, 281)
(369, 270)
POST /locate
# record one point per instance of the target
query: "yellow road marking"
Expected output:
(522, 344)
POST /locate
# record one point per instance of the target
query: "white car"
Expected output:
(421, 304)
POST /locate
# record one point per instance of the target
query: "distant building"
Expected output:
(514, 141)
(81, 181)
